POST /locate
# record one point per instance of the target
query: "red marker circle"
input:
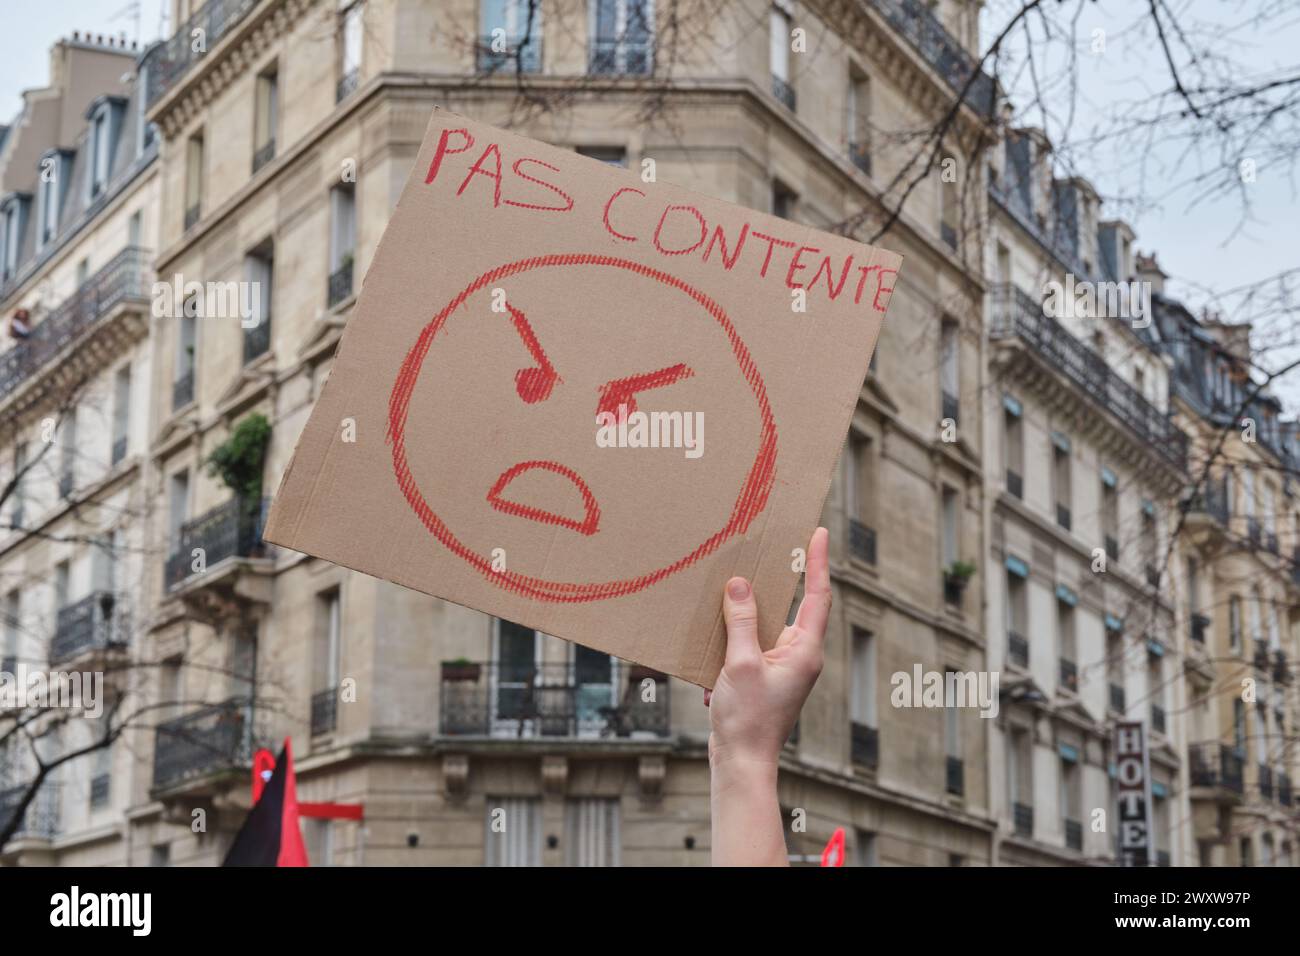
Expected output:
(749, 503)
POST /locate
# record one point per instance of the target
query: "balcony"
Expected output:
(215, 739)
(864, 745)
(955, 777)
(1157, 718)
(347, 85)
(1117, 700)
(1200, 623)
(1015, 484)
(66, 330)
(1022, 816)
(516, 56)
(264, 154)
(95, 623)
(940, 50)
(860, 155)
(166, 63)
(1215, 764)
(951, 406)
(620, 56)
(1211, 501)
(1266, 781)
(324, 711)
(862, 542)
(1017, 650)
(340, 283)
(41, 821)
(1069, 675)
(231, 530)
(1063, 517)
(537, 701)
(1073, 834)
(1018, 318)
(257, 340)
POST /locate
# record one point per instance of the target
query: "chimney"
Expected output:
(1148, 270)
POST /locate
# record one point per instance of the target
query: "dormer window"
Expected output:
(13, 219)
(52, 177)
(105, 118)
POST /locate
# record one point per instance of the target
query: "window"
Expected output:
(160, 854)
(864, 849)
(1239, 727)
(1065, 637)
(329, 623)
(1156, 691)
(101, 779)
(105, 125)
(12, 625)
(779, 56)
(343, 240)
(135, 230)
(1110, 514)
(14, 223)
(1071, 797)
(948, 214)
(193, 179)
(171, 686)
(1020, 779)
(186, 358)
(1247, 852)
(266, 117)
(858, 120)
(1115, 669)
(949, 369)
(318, 840)
(62, 585)
(862, 700)
(19, 493)
(121, 412)
(514, 831)
(350, 44)
(1017, 605)
(622, 37)
(951, 527)
(611, 155)
(1061, 480)
(52, 180)
(68, 453)
(510, 37)
(784, 200)
(1013, 449)
(259, 272)
(591, 832)
(178, 500)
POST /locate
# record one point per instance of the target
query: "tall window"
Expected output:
(1061, 487)
(350, 44)
(121, 412)
(13, 221)
(1065, 637)
(1071, 798)
(1020, 779)
(862, 701)
(779, 55)
(591, 832)
(510, 36)
(858, 119)
(784, 200)
(948, 215)
(1234, 622)
(328, 640)
(19, 493)
(343, 241)
(68, 453)
(178, 507)
(622, 36)
(1110, 513)
(186, 358)
(193, 179)
(514, 831)
(949, 369)
(12, 625)
(54, 170)
(259, 272)
(1013, 448)
(266, 117)
(951, 528)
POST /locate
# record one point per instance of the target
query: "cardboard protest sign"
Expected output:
(580, 401)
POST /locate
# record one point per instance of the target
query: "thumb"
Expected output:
(740, 613)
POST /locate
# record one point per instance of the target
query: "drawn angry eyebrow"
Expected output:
(533, 384)
(621, 392)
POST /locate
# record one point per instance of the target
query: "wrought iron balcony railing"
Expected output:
(96, 622)
(1215, 764)
(615, 56)
(324, 711)
(955, 782)
(165, 63)
(347, 85)
(862, 541)
(511, 56)
(1022, 816)
(1016, 316)
(503, 699)
(42, 818)
(783, 91)
(340, 283)
(124, 278)
(941, 50)
(864, 745)
(1017, 649)
(212, 739)
(231, 530)
(1212, 500)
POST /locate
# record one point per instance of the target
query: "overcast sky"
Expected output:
(1195, 242)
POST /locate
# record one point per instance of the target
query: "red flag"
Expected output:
(833, 855)
(271, 835)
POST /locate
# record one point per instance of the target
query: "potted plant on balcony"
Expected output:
(239, 462)
(461, 669)
(955, 578)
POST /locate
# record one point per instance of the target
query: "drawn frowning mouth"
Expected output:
(591, 519)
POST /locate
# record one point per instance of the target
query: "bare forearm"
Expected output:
(747, 825)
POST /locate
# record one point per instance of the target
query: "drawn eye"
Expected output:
(620, 393)
(533, 384)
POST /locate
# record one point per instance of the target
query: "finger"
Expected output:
(708, 696)
(815, 608)
(740, 613)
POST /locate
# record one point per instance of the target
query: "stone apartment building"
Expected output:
(277, 137)
(78, 197)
